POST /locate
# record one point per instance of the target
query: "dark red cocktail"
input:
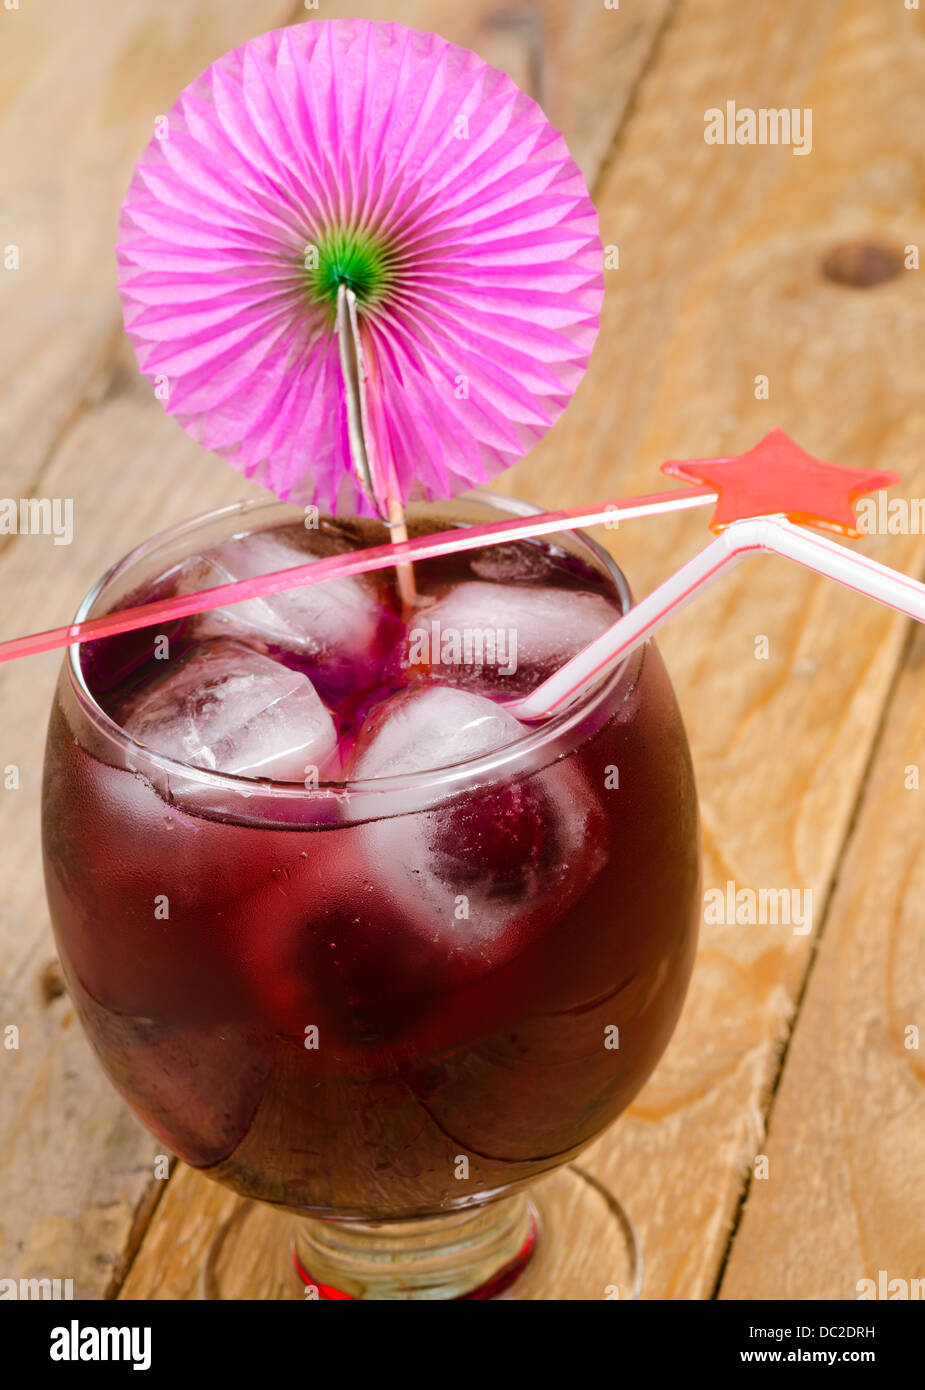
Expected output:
(343, 934)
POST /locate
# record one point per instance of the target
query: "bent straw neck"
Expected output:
(771, 534)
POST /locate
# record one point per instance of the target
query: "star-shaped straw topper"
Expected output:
(778, 478)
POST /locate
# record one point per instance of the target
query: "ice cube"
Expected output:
(506, 637)
(473, 879)
(229, 709)
(430, 728)
(338, 629)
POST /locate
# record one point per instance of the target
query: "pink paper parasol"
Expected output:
(376, 157)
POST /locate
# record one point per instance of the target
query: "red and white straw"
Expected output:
(770, 534)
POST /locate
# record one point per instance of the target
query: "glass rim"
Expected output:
(484, 767)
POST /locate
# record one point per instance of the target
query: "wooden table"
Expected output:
(779, 1149)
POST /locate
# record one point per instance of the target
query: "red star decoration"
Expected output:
(778, 478)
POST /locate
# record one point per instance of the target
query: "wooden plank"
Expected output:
(581, 63)
(78, 98)
(844, 1195)
(75, 1168)
(720, 280)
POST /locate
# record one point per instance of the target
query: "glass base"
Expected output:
(567, 1239)
(464, 1254)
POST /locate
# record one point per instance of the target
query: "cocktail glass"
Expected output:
(263, 973)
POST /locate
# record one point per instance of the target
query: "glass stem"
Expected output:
(462, 1254)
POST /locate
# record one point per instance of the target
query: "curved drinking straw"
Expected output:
(771, 534)
(354, 562)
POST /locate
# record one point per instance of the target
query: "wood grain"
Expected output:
(844, 1195)
(720, 279)
(79, 93)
